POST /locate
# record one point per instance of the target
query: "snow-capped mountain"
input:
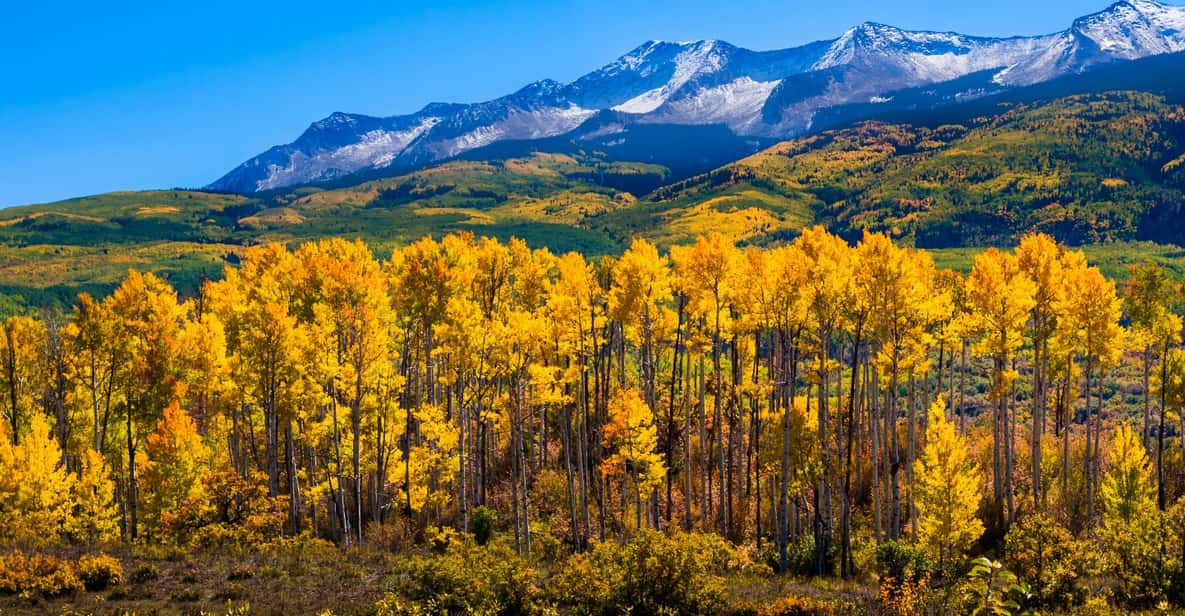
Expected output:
(760, 94)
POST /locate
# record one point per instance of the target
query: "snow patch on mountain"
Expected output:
(375, 149)
(518, 124)
(736, 104)
(645, 102)
(697, 59)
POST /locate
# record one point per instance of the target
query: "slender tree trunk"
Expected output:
(462, 454)
(566, 435)
(963, 391)
(1088, 467)
(911, 453)
(847, 561)
(293, 482)
(1147, 433)
(878, 527)
(1038, 430)
(343, 513)
(718, 428)
(132, 495)
(687, 421)
(894, 456)
(823, 488)
(672, 430)
(1160, 491)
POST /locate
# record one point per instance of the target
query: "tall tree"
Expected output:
(148, 327)
(1090, 326)
(948, 488)
(22, 342)
(1001, 299)
(633, 439)
(1039, 257)
(1126, 489)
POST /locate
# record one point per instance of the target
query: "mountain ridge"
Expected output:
(773, 94)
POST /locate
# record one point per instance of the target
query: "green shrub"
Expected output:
(901, 561)
(144, 573)
(100, 571)
(800, 555)
(904, 574)
(1133, 558)
(481, 524)
(1044, 555)
(468, 579)
(991, 589)
(651, 574)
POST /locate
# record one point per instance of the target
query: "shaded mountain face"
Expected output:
(756, 94)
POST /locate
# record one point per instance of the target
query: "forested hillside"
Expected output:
(491, 427)
(1086, 169)
(1091, 169)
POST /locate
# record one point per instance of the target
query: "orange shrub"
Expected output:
(37, 573)
(100, 571)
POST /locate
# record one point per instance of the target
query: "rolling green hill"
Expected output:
(48, 252)
(1106, 170)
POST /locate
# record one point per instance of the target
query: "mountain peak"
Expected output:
(1133, 10)
(335, 120)
(1141, 5)
(873, 28)
(543, 87)
(1134, 28)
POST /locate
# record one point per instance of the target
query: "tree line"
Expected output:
(814, 394)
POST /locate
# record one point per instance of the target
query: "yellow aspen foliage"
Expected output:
(1091, 309)
(422, 280)
(788, 297)
(149, 323)
(707, 272)
(830, 281)
(21, 382)
(432, 463)
(207, 369)
(632, 435)
(35, 489)
(948, 490)
(642, 281)
(547, 384)
(94, 518)
(899, 288)
(1127, 489)
(175, 460)
(1169, 382)
(574, 301)
(1000, 298)
(802, 444)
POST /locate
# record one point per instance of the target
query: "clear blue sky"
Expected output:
(100, 96)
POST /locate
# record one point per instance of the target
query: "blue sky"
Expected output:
(131, 95)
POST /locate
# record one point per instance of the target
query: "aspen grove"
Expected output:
(803, 399)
